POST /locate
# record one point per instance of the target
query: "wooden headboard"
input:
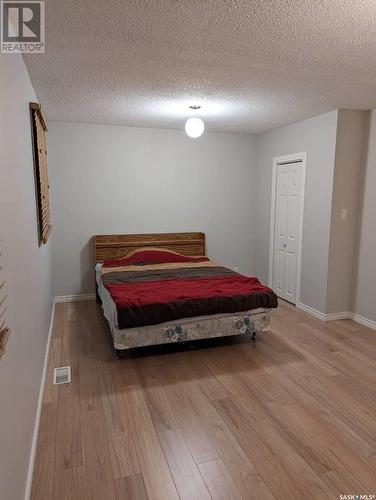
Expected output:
(117, 246)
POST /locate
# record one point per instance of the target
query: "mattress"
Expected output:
(179, 328)
(156, 286)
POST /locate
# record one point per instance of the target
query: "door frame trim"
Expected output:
(278, 160)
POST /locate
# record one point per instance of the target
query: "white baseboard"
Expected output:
(363, 321)
(29, 479)
(324, 316)
(75, 298)
(337, 316)
(311, 311)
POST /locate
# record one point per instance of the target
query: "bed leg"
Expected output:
(254, 335)
(119, 353)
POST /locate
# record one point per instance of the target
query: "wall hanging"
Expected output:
(38, 136)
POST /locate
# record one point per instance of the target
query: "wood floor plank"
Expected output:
(363, 332)
(72, 310)
(329, 349)
(320, 459)
(342, 482)
(51, 391)
(68, 433)
(332, 418)
(198, 441)
(304, 476)
(348, 409)
(153, 381)
(356, 364)
(231, 380)
(99, 482)
(123, 453)
(326, 434)
(191, 369)
(264, 387)
(187, 477)
(219, 481)
(59, 319)
(243, 472)
(44, 464)
(326, 395)
(131, 488)
(272, 467)
(353, 343)
(90, 384)
(358, 390)
(68, 428)
(69, 484)
(157, 477)
(289, 416)
(320, 361)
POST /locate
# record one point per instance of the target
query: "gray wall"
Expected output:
(28, 280)
(317, 137)
(116, 179)
(351, 135)
(107, 179)
(364, 284)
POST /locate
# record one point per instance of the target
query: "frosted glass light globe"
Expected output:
(194, 127)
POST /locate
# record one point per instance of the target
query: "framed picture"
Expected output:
(4, 330)
(38, 136)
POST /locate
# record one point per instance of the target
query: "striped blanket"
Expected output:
(154, 286)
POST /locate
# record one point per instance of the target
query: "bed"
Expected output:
(162, 288)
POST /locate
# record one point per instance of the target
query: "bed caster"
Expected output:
(124, 353)
(120, 353)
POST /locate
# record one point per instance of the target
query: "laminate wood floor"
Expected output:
(291, 416)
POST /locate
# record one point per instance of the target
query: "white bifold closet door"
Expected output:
(286, 232)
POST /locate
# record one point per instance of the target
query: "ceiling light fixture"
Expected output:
(194, 127)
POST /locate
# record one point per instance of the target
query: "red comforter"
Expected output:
(151, 287)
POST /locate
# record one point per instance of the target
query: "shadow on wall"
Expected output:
(363, 172)
(87, 268)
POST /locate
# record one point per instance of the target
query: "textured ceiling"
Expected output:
(251, 64)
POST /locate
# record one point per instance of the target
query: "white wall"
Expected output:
(107, 179)
(28, 279)
(364, 285)
(116, 179)
(317, 137)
